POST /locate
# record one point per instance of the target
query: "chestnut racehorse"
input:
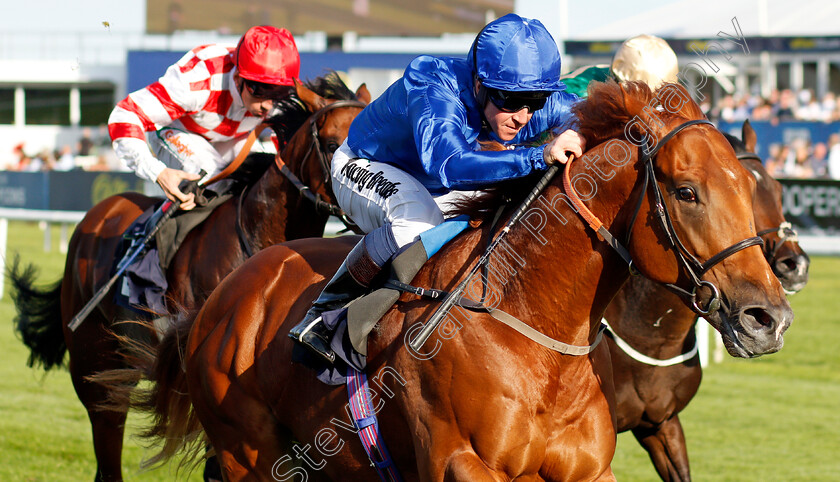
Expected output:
(481, 401)
(650, 394)
(273, 210)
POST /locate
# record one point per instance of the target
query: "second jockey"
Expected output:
(644, 57)
(198, 115)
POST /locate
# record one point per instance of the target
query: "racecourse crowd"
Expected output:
(781, 106)
(92, 152)
(799, 158)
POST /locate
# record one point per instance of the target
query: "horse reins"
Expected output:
(692, 265)
(324, 161)
(320, 204)
(784, 231)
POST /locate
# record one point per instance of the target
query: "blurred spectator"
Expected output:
(829, 107)
(85, 147)
(801, 165)
(777, 160)
(65, 160)
(23, 161)
(101, 164)
(784, 110)
(819, 160)
(44, 161)
(786, 105)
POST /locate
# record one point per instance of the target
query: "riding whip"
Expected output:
(165, 211)
(456, 294)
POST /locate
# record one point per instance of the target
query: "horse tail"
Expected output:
(174, 425)
(39, 316)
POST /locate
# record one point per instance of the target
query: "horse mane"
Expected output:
(602, 116)
(289, 115)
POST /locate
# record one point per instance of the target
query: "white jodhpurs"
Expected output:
(373, 193)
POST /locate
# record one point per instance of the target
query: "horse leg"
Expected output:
(666, 446)
(107, 428)
(91, 353)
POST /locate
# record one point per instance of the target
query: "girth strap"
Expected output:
(364, 417)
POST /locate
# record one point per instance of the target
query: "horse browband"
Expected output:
(695, 268)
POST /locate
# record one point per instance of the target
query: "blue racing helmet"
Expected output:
(516, 54)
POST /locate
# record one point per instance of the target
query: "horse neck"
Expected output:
(274, 211)
(566, 275)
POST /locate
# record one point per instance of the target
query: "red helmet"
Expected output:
(268, 55)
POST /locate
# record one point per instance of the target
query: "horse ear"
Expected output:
(748, 136)
(363, 94)
(313, 101)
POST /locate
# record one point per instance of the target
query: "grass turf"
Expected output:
(772, 418)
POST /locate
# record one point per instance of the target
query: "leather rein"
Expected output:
(324, 158)
(695, 268)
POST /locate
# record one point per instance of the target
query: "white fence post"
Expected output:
(6, 214)
(702, 333)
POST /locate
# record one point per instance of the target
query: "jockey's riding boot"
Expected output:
(351, 281)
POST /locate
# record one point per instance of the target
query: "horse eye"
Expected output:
(687, 194)
(332, 147)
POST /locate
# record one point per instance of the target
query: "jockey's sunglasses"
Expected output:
(259, 90)
(510, 102)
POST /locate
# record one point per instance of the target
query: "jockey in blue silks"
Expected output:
(416, 148)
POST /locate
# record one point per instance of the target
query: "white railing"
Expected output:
(65, 218)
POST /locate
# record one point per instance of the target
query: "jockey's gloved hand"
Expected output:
(568, 142)
(170, 180)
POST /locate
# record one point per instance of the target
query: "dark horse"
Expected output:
(482, 401)
(271, 211)
(650, 394)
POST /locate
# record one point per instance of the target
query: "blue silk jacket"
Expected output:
(428, 124)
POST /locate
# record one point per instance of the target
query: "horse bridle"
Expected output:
(784, 231)
(324, 161)
(693, 266)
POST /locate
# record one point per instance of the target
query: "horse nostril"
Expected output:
(757, 318)
(786, 265)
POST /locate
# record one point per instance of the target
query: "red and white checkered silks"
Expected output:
(198, 95)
